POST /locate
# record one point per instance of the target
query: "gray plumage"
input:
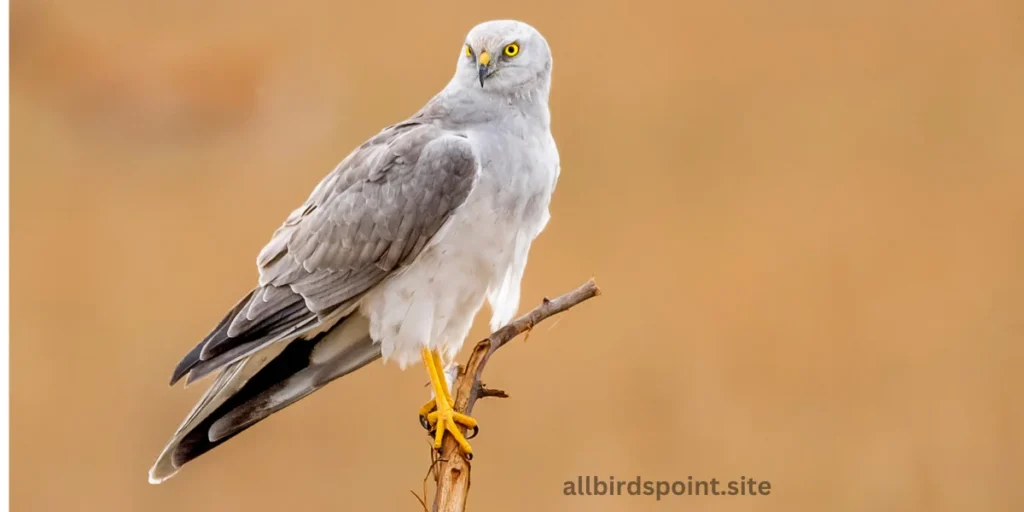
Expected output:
(395, 250)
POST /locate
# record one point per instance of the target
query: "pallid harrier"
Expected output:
(394, 252)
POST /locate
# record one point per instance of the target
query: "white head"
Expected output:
(505, 57)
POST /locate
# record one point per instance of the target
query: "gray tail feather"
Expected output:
(288, 375)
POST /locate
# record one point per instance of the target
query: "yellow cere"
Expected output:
(512, 50)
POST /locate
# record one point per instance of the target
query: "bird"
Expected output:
(393, 253)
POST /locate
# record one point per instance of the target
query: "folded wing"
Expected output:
(369, 217)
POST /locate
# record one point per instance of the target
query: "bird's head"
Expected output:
(505, 57)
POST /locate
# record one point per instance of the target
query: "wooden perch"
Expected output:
(451, 469)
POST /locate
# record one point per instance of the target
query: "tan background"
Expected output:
(806, 217)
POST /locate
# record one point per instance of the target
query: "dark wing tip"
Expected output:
(194, 356)
(185, 365)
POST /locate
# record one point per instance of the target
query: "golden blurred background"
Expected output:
(806, 216)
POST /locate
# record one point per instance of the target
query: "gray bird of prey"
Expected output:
(393, 253)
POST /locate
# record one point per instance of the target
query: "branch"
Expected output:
(452, 468)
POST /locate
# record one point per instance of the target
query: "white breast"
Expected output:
(479, 253)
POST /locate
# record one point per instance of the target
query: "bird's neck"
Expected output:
(463, 104)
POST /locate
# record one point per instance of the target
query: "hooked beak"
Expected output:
(483, 61)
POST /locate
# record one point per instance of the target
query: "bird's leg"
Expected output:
(438, 415)
(431, 404)
(445, 385)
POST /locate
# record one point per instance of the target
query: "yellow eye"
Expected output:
(512, 50)
(469, 51)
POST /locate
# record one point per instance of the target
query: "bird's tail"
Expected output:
(263, 383)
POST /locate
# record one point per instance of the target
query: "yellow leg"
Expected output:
(439, 414)
(439, 367)
(432, 365)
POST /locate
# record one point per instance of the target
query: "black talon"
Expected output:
(476, 430)
(424, 423)
(469, 456)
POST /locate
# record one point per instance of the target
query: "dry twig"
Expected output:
(451, 469)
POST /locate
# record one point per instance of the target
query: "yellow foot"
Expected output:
(425, 411)
(439, 415)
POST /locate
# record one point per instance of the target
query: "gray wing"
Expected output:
(295, 333)
(370, 216)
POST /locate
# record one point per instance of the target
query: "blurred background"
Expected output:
(806, 216)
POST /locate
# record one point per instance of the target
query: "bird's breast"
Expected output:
(518, 168)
